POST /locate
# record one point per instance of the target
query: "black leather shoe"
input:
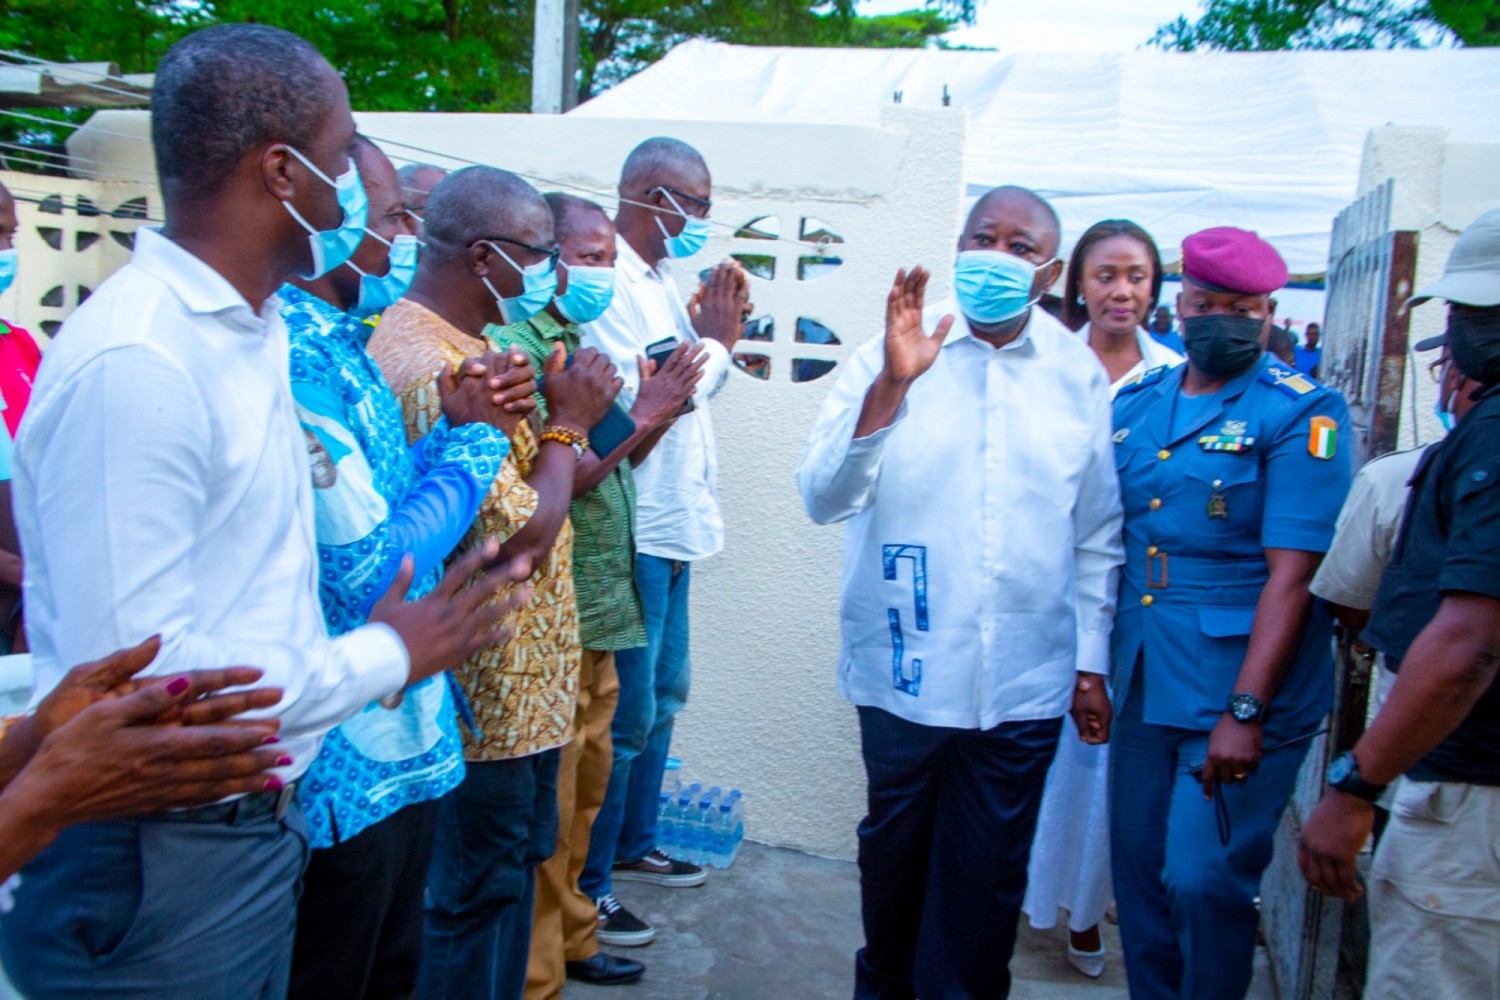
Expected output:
(606, 970)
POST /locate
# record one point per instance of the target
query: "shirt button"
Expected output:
(1164, 454)
(1155, 503)
(1151, 550)
(1147, 600)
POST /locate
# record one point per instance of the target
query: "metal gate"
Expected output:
(1317, 945)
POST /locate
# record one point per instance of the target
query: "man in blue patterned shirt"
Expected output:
(371, 795)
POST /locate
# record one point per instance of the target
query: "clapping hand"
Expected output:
(664, 393)
(579, 395)
(496, 388)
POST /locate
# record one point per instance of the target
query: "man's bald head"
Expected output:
(478, 203)
(1020, 212)
(662, 162)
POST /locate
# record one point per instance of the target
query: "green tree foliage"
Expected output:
(457, 55)
(1251, 25)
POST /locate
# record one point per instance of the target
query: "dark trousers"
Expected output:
(183, 906)
(1188, 917)
(492, 832)
(943, 854)
(359, 922)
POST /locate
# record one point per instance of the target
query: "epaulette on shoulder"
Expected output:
(1290, 381)
(1146, 378)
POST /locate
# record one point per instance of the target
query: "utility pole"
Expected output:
(554, 58)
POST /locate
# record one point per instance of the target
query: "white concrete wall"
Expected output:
(764, 715)
(1440, 187)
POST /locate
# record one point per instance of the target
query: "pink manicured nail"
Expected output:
(177, 685)
(283, 761)
(274, 784)
(271, 738)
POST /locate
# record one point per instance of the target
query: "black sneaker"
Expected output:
(605, 969)
(659, 869)
(619, 928)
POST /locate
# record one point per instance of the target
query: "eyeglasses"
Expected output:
(1435, 370)
(551, 254)
(703, 205)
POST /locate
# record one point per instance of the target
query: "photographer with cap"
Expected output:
(1434, 885)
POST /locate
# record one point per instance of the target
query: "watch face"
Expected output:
(1340, 768)
(1244, 707)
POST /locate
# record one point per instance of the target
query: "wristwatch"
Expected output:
(1247, 708)
(1343, 774)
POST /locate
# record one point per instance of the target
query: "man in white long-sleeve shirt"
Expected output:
(975, 468)
(162, 487)
(665, 197)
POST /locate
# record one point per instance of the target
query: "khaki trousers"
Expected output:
(1435, 895)
(565, 921)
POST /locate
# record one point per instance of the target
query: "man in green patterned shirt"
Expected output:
(564, 940)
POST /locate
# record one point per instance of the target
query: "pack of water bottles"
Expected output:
(704, 825)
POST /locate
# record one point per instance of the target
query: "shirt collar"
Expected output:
(634, 266)
(1027, 343)
(200, 288)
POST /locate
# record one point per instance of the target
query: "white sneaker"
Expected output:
(1090, 963)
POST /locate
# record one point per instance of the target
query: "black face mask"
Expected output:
(1222, 346)
(1474, 339)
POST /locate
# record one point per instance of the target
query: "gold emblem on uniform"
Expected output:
(1218, 504)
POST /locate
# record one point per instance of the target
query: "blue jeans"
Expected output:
(653, 688)
(492, 832)
(943, 853)
(1186, 901)
(179, 906)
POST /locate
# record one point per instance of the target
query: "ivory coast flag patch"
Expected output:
(1322, 437)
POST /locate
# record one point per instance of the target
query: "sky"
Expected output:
(1056, 25)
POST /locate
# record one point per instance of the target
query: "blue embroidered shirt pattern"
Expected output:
(376, 500)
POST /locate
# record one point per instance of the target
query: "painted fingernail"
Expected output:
(271, 738)
(283, 761)
(274, 784)
(177, 685)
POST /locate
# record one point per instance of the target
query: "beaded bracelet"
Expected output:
(566, 435)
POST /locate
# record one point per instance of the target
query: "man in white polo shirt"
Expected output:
(975, 470)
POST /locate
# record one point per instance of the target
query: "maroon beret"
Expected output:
(1226, 259)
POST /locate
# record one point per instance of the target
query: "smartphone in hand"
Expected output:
(658, 353)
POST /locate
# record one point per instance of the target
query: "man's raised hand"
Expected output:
(496, 388)
(909, 351)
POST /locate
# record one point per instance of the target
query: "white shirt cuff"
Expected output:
(1093, 653)
(383, 659)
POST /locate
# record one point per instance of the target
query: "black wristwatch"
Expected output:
(1343, 774)
(1247, 708)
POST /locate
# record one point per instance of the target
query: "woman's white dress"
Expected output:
(1070, 856)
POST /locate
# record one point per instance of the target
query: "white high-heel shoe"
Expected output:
(1090, 963)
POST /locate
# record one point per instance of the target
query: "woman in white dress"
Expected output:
(1114, 280)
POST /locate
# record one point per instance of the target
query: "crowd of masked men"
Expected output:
(354, 522)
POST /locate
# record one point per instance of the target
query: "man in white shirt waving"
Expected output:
(975, 468)
(162, 487)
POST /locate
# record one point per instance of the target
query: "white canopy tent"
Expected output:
(1269, 141)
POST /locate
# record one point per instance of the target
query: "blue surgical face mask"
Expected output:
(1446, 404)
(590, 291)
(693, 236)
(377, 293)
(333, 247)
(993, 287)
(8, 260)
(538, 285)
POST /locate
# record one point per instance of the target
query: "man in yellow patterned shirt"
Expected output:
(490, 257)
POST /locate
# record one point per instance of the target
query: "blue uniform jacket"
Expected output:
(1268, 466)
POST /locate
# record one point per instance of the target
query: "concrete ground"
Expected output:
(781, 925)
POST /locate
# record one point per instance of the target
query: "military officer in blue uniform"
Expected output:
(1232, 470)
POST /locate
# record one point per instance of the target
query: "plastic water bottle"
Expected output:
(723, 833)
(683, 814)
(703, 827)
(671, 779)
(736, 825)
(666, 825)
